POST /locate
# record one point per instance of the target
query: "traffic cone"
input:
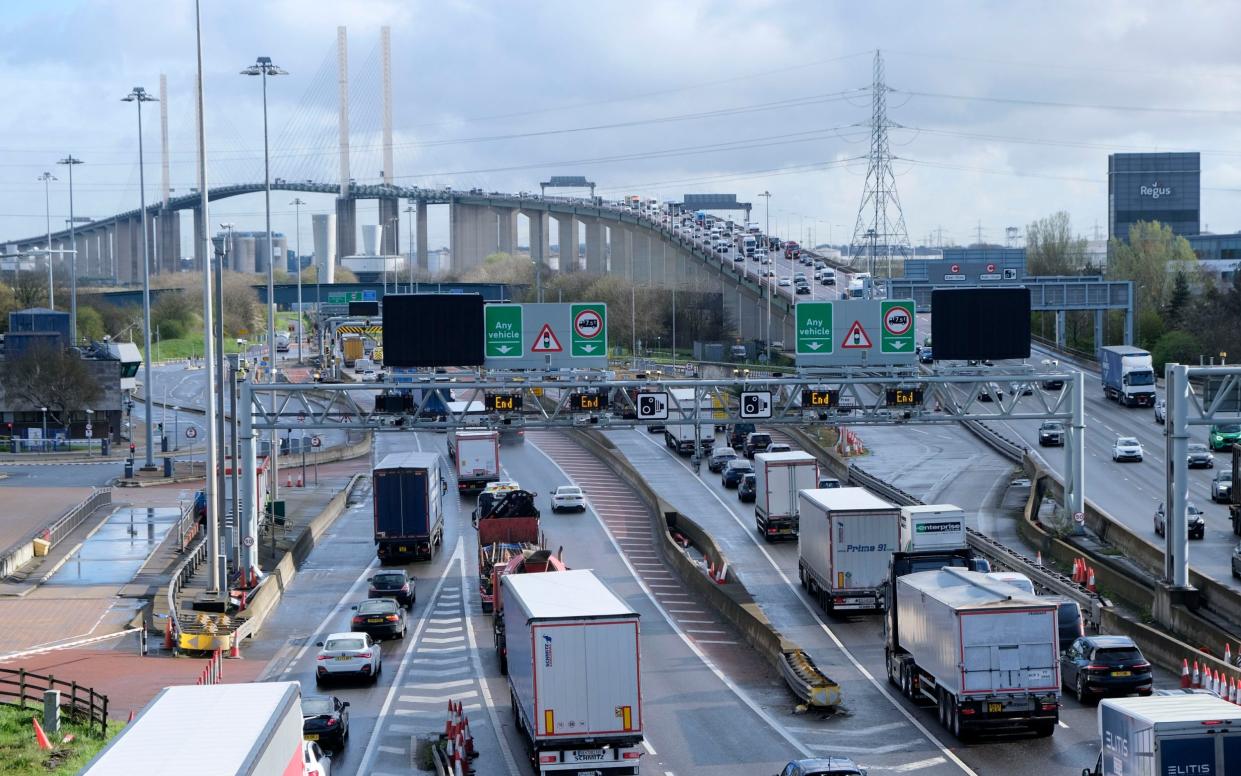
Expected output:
(723, 575)
(131, 717)
(1038, 558)
(1197, 677)
(288, 480)
(1232, 691)
(168, 632)
(39, 736)
(299, 480)
(1090, 580)
(234, 649)
(469, 740)
(1227, 653)
(1185, 673)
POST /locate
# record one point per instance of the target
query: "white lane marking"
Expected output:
(1060, 722)
(859, 732)
(709, 641)
(646, 744)
(857, 664)
(907, 767)
(482, 681)
(885, 749)
(368, 756)
(689, 642)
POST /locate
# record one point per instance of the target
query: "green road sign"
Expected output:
(897, 334)
(814, 328)
(590, 330)
(502, 330)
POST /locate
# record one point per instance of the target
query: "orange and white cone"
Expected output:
(288, 480)
(1185, 674)
(1197, 677)
(1090, 579)
(1038, 558)
(1227, 653)
(39, 736)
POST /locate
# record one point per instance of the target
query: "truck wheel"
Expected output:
(942, 704)
(801, 577)
(503, 665)
(954, 715)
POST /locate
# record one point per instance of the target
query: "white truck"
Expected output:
(252, 729)
(681, 436)
(1171, 734)
(984, 653)
(845, 540)
(777, 479)
(476, 457)
(573, 671)
(1128, 375)
(932, 527)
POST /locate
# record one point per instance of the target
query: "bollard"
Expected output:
(51, 711)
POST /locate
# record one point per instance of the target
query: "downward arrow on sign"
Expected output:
(588, 348)
(504, 348)
(814, 345)
(898, 344)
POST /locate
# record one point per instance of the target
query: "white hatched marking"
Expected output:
(443, 640)
(444, 630)
(439, 685)
(392, 749)
(439, 661)
(436, 672)
(441, 649)
(456, 696)
(709, 641)
(705, 630)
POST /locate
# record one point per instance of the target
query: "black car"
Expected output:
(394, 584)
(988, 392)
(1069, 622)
(379, 618)
(1105, 665)
(737, 435)
(325, 718)
(733, 472)
(747, 489)
(822, 766)
(1051, 434)
(1195, 522)
(1200, 456)
(756, 442)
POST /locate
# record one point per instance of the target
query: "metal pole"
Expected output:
(221, 443)
(271, 291)
(237, 513)
(146, 290)
(297, 204)
(1176, 528)
(69, 161)
(249, 482)
(767, 196)
(47, 177)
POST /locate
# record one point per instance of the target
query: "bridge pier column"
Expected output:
(620, 245)
(568, 243)
(540, 236)
(462, 233)
(487, 225)
(1098, 329)
(390, 220)
(346, 226)
(1061, 335)
(641, 241)
(199, 238)
(125, 234)
(169, 241)
(596, 247)
(107, 252)
(508, 229)
(420, 235)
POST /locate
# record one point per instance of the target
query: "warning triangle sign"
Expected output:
(546, 342)
(856, 338)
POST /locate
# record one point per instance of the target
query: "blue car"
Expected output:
(734, 470)
(823, 766)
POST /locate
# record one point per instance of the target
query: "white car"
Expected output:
(568, 498)
(348, 654)
(1126, 449)
(315, 761)
(786, 281)
(370, 376)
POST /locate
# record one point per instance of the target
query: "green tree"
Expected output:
(174, 313)
(1051, 248)
(1176, 346)
(1144, 258)
(90, 324)
(240, 306)
(8, 303)
(1178, 300)
(1151, 327)
(50, 377)
(30, 289)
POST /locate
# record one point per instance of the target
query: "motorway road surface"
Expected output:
(850, 648)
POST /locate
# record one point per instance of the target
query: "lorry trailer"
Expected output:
(846, 538)
(1128, 375)
(408, 494)
(476, 456)
(778, 477)
(932, 527)
(573, 671)
(249, 729)
(981, 651)
(1168, 735)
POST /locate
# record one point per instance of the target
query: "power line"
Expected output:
(1074, 105)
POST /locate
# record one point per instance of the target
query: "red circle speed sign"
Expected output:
(991, 268)
(955, 268)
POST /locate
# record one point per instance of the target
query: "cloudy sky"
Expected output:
(1006, 111)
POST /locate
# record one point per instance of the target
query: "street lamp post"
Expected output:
(297, 204)
(69, 161)
(410, 211)
(44, 409)
(263, 67)
(139, 95)
(47, 178)
(767, 231)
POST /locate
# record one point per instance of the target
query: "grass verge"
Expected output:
(21, 756)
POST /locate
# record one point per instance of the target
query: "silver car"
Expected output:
(1126, 449)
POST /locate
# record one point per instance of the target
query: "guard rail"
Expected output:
(195, 554)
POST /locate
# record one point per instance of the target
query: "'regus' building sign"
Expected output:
(1153, 187)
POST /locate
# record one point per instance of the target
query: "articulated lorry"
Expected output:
(529, 560)
(1128, 375)
(408, 496)
(507, 526)
(573, 671)
(778, 477)
(251, 729)
(845, 540)
(1170, 735)
(981, 651)
(476, 454)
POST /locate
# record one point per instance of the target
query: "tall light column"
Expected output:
(263, 67)
(47, 178)
(69, 162)
(767, 233)
(139, 95)
(410, 210)
(297, 204)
